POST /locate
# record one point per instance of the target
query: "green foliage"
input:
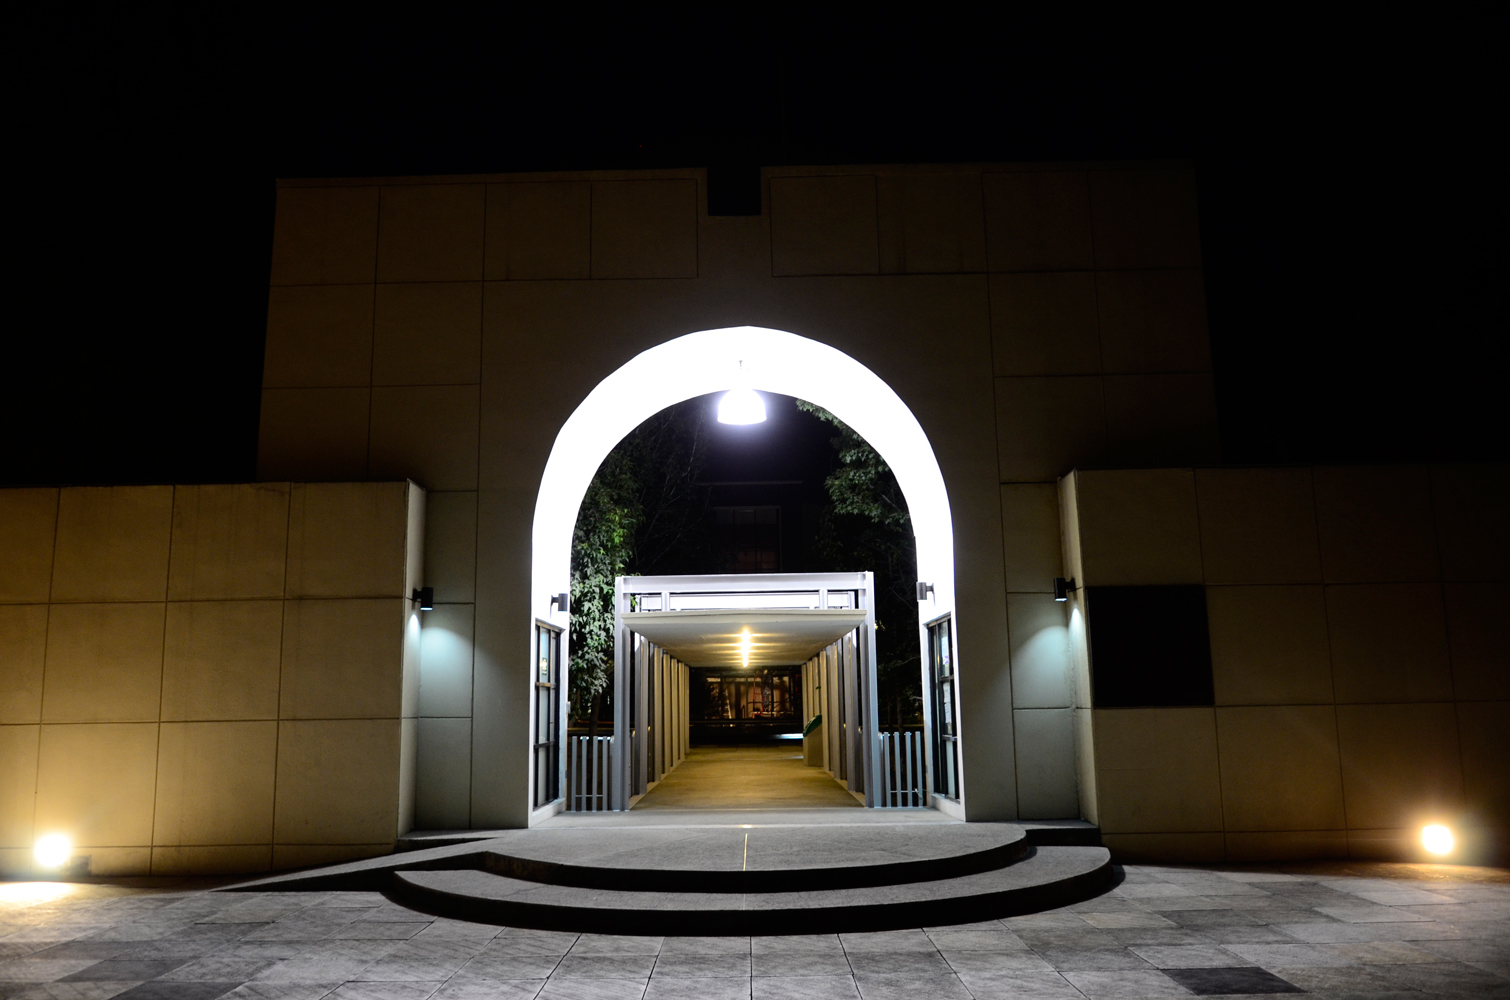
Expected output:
(867, 527)
(643, 513)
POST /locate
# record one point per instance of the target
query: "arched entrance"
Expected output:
(715, 360)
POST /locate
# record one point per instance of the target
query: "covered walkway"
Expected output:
(747, 778)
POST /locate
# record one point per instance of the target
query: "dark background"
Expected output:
(1352, 189)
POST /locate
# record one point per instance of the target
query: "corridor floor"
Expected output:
(1333, 930)
(747, 778)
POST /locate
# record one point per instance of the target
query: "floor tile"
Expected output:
(1220, 982)
(1125, 985)
(1271, 956)
(996, 961)
(282, 991)
(804, 988)
(800, 963)
(705, 946)
(177, 991)
(489, 989)
(887, 941)
(616, 944)
(1019, 986)
(1187, 956)
(593, 989)
(997, 940)
(907, 963)
(605, 967)
(1130, 918)
(697, 989)
(701, 967)
(911, 987)
(385, 991)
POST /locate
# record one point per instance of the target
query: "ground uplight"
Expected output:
(1437, 839)
(52, 850)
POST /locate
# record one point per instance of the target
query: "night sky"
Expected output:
(1352, 190)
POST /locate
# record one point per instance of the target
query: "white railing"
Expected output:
(903, 782)
(587, 773)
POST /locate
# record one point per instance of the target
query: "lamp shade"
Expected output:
(741, 406)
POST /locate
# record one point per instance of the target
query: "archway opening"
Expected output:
(714, 361)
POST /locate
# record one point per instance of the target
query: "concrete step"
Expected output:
(1046, 877)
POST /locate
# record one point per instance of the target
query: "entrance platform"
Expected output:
(626, 874)
(747, 778)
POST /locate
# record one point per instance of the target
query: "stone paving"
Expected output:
(1340, 930)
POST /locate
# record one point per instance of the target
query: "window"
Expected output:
(945, 713)
(750, 538)
(547, 715)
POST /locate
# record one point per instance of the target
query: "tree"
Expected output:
(644, 512)
(867, 526)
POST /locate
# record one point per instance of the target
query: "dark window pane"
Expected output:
(1149, 646)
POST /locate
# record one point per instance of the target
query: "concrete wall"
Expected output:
(1360, 659)
(208, 678)
(443, 329)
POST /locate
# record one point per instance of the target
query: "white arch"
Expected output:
(709, 361)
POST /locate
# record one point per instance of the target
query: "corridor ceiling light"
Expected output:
(745, 642)
(1437, 839)
(52, 851)
(741, 404)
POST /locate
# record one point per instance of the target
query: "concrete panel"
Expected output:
(1156, 770)
(1478, 635)
(931, 224)
(427, 333)
(18, 785)
(313, 435)
(1145, 218)
(1047, 426)
(1166, 848)
(1486, 767)
(23, 644)
(1400, 764)
(95, 784)
(425, 433)
(445, 672)
(318, 335)
(220, 660)
(644, 229)
(215, 783)
(112, 543)
(539, 231)
(431, 232)
(347, 540)
(1376, 524)
(1389, 643)
(451, 546)
(325, 235)
(1041, 670)
(1258, 526)
(343, 659)
(28, 525)
(1286, 845)
(104, 663)
(240, 860)
(1030, 536)
(229, 542)
(338, 783)
(1044, 323)
(444, 781)
(1152, 321)
(1269, 645)
(1280, 768)
(1138, 526)
(1038, 221)
(1474, 536)
(824, 225)
(1161, 420)
(1046, 785)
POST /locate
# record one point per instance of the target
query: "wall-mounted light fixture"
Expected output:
(561, 602)
(924, 589)
(1063, 588)
(424, 597)
(741, 404)
(52, 851)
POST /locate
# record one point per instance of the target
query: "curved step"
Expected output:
(1047, 877)
(753, 860)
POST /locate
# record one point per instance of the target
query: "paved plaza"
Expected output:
(1332, 930)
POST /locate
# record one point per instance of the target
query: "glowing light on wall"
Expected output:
(712, 361)
(52, 851)
(1437, 839)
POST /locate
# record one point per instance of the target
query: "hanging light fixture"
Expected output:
(741, 404)
(745, 642)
